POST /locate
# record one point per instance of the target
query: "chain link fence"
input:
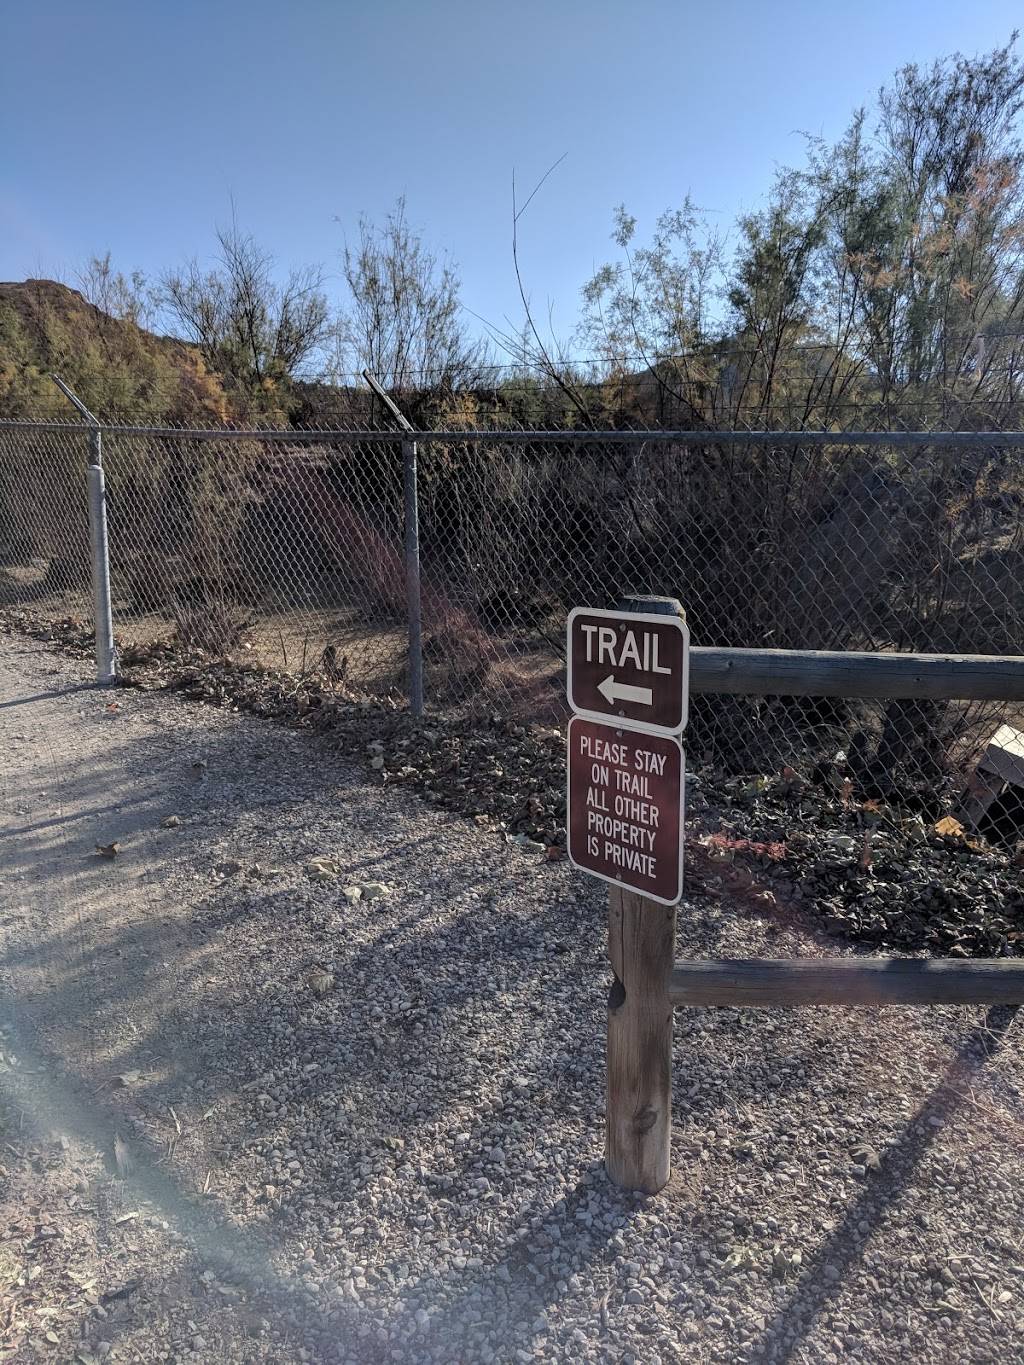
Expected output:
(286, 549)
(44, 519)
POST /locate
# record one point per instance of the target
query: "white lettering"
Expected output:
(629, 859)
(602, 750)
(626, 781)
(606, 645)
(642, 811)
(629, 652)
(621, 830)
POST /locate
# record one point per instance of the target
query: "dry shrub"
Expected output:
(214, 627)
(18, 549)
(66, 573)
(457, 655)
(154, 580)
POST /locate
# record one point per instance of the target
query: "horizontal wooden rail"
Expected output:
(823, 673)
(787, 982)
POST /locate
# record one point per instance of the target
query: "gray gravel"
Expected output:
(370, 1128)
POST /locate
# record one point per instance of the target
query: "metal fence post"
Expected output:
(106, 650)
(413, 598)
(413, 593)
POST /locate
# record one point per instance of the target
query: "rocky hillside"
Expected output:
(119, 369)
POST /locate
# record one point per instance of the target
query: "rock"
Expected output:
(528, 845)
(842, 843)
(322, 869)
(320, 981)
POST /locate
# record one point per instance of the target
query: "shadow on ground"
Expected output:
(454, 997)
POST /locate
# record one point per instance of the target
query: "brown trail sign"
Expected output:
(628, 678)
(630, 666)
(625, 806)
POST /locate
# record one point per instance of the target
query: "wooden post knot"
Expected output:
(616, 996)
(645, 1121)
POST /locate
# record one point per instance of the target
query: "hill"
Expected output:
(119, 369)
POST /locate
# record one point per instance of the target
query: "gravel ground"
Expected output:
(246, 1116)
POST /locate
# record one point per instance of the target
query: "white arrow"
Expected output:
(613, 692)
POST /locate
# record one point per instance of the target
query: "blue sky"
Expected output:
(130, 126)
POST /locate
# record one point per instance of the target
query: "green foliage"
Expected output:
(653, 303)
(403, 320)
(25, 387)
(118, 370)
(252, 331)
(888, 269)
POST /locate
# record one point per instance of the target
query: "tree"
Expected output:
(256, 332)
(403, 321)
(920, 257)
(888, 268)
(127, 298)
(653, 304)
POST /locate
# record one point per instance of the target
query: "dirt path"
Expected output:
(98, 1001)
(369, 1128)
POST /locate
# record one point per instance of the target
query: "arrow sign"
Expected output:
(629, 667)
(613, 692)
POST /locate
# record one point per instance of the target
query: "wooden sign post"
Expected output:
(628, 674)
(638, 1108)
(628, 683)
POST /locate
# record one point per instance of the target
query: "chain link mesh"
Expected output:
(286, 549)
(44, 521)
(289, 555)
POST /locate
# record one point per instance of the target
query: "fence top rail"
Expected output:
(908, 439)
(26, 424)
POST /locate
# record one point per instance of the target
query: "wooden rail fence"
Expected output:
(825, 673)
(649, 983)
